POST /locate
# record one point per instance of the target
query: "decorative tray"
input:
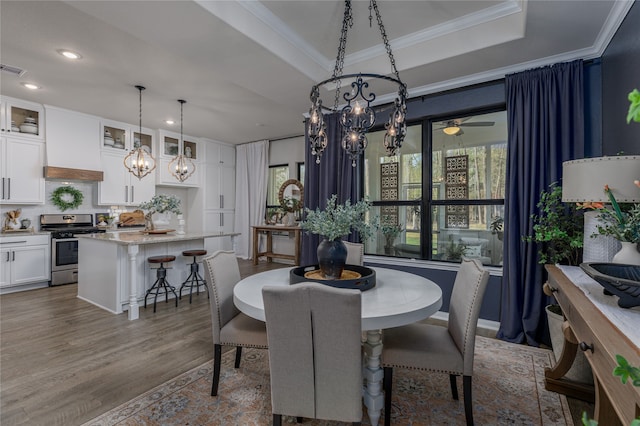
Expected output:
(158, 231)
(353, 276)
(21, 230)
(617, 278)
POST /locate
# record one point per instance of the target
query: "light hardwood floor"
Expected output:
(64, 361)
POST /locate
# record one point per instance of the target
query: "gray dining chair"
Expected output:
(355, 253)
(443, 349)
(314, 352)
(229, 326)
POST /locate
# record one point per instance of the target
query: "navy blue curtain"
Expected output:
(334, 175)
(545, 110)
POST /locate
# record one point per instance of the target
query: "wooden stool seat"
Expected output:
(194, 279)
(194, 253)
(161, 286)
(161, 259)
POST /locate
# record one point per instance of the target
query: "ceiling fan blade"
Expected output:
(478, 124)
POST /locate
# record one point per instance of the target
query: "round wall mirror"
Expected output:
(291, 195)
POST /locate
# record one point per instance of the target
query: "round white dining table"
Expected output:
(398, 298)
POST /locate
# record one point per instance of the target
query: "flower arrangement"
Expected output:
(338, 220)
(162, 204)
(623, 224)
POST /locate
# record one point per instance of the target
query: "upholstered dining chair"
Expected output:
(229, 326)
(445, 349)
(314, 352)
(355, 253)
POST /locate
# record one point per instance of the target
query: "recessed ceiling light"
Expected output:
(69, 54)
(31, 86)
(170, 122)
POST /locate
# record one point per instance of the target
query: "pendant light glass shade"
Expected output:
(139, 162)
(181, 167)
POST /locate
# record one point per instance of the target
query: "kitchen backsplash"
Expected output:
(90, 192)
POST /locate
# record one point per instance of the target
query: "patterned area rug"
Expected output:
(508, 389)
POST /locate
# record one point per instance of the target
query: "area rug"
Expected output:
(508, 389)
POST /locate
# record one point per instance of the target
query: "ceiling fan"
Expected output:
(454, 127)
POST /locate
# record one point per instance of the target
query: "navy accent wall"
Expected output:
(620, 75)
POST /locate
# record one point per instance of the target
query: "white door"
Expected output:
(114, 189)
(29, 264)
(24, 164)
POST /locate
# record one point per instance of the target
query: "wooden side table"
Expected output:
(269, 230)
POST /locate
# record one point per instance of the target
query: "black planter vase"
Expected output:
(332, 256)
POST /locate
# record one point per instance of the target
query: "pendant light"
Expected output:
(139, 162)
(181, 167)
(357, 117)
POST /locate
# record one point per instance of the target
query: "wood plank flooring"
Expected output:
(64, 361)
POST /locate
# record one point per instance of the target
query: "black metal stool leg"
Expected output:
(194, 280)
(161, 284)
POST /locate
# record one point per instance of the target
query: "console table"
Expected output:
(598, 327)
(269, 230)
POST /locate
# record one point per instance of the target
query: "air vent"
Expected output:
(12, 70)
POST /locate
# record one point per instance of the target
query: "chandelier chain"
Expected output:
(347, 22)
(385, 39)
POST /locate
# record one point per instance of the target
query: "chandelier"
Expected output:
(181, 167)
(357, 116)
(139, 162)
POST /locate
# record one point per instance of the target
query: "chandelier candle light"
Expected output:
(139, 162)
(181, 167)
(357, 116)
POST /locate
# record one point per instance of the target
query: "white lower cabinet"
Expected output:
(219, 221)
(120, 187)
(25, 260)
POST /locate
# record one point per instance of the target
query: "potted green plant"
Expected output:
(333, 223)
(162, 204)
(390, 231)
(496, 226)
(454, 252)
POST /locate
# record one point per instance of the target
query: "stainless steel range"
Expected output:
(64, 244)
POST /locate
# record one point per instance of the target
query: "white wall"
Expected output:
(286, 151)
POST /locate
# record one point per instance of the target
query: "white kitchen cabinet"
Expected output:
(21, 165)
(169, 146)
(220, 177)
(219, 221)
(25, 259)
(125, 137)
(119, 186)
(15, 115)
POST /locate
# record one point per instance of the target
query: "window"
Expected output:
(277, 176)
(459, 191)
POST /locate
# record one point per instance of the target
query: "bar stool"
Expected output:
(194, 279)
(161, 285)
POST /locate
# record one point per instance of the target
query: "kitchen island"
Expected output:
(112, 267)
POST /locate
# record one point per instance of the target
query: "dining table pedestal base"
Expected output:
(373, 375)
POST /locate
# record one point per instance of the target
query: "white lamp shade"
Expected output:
(584, 180)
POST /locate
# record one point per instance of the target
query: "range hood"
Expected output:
(51, 172)
(72, 143)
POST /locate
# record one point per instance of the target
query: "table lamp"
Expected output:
(584, 180)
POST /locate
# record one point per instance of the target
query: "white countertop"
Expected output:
(140, 238)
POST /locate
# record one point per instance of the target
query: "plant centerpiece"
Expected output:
(333, 223)
(163, 204)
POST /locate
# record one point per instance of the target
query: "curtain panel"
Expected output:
(545, 108)
(334, 175)
(252, 165)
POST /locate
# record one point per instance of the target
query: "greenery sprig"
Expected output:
(162, 204)
(634, 107)
(623, 224)
(66, 198)
(338, 220)
(558, 228)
